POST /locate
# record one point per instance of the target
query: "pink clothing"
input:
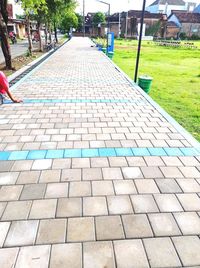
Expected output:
(4, 85)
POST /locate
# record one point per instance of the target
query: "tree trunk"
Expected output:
(49, 31)
(40, 38)
(5, 45)
(55, 31)
(45, 31)
(30, 44)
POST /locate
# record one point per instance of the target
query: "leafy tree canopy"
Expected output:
(99, 17)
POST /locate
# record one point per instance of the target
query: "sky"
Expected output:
(116, 5)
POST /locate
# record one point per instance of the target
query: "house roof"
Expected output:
(136, 14)
(171, 24)
(197, 9)
(186, 17)
(169, 2)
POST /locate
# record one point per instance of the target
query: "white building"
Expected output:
(166, 6)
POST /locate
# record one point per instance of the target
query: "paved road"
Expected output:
(92, 175)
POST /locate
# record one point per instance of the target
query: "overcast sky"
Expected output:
(116, 5)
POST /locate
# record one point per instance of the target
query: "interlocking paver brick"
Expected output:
(66, 256)
(136, 226)
(78, 189)
(146, 186)
(50, 176)
(189, 185)
(124, 187)
(130, 253)
(154, 161)
(101, 254)
(168, 186)
(189, 222)
(69, 207)
(92, 174)
(80, 229)
(190, 172)
(10, 193)
(42, 209)
(33, 191)
(109, 228)
(26, 177)
(112, 174)
(22, 233)
(61, 163)
(132, 172)
(42, 164)
(8, 257)
(8, 178)
(71, 175)
(99, 162)
(151, 172)
(102, 188)
(94, 206)
(158, 220)
(171, 161)
(161, 252)
(168, 203)
(188, 248)
(189, 161)
(35, 256)
(118, 161)
(119, 205)
(56, 190)
(190, 202)
(51, 231)
(144, 203)
(4, 226)
(136, 161)
(17, 210)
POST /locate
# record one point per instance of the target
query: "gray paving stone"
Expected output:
(26, 177)
(102, 188)
(168, 186)
(172, 161)
(80, 229)
(144, 203)
(112, 174)
(61, 163)
(130, 253)
(189, 185)
(151, 172)
(190, 202)
(171, 172)
(161, 252)
(154, 161)
(94, 206)
(136, 226)
(124, 187)
(98, 255)
(8, 257)
(190, 172)
(2, 207)
(189, 222)
(168, 203)
(146, 186)
(10, 193)
(188, 248)
(163, 224)
(99, 162)
(132, 172)
(136, 161)
(22, 165)
(92, 174)
(22, 233)
(17, 210)
(66, 256)
(42, 209)
(33, 191)
(119, 205)
(189, 161)
(69, 207)
(78, 189)
(80, 163)
(6, 165)
(118, 162)
(71, 175)
(33, 257)
(56, 190)
(50, 176)
(8, 178)
(4, 226)
(109, 228)
(51, 231)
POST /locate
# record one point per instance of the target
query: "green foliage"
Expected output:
(153, 29)
(176, 78)
(69, 20)
(99, 17)
(80, 22)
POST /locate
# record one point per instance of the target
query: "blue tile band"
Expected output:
(27, 101)
(98, 152)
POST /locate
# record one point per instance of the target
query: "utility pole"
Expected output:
(140, 41)
(126, 30)
(83, 18)
(119, 25)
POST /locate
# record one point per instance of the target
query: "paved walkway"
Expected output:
(91, 174)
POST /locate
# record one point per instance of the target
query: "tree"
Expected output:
(4, 33)
(80, 22)
(69, 20)
(99, 18)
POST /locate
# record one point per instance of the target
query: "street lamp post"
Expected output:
(108, 21)
(83, 18)
(140, 41)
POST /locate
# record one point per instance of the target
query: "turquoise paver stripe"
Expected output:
(96, 152)
(28, 101)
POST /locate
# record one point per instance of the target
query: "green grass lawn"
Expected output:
(176, 78)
